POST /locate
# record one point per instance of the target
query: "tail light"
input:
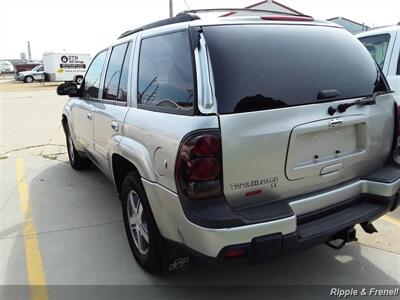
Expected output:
(198, 169)
(396, 140)
(396, 137)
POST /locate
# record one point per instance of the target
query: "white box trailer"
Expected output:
(65, 66)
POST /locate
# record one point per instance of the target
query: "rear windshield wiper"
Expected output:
(360, 102)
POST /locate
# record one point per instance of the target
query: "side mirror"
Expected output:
(68, 89)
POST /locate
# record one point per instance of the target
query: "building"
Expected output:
(352, 26)
(265, 5)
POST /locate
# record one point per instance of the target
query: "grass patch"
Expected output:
(50, 156)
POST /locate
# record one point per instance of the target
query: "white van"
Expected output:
(65, 66)
(384, 46)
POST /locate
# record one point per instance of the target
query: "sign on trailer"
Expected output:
(65, 66)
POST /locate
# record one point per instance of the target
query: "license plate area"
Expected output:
(326, 147)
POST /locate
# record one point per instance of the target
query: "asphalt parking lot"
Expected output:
(63, 227)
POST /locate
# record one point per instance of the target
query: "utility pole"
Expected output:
(29, 51)
(171, 9)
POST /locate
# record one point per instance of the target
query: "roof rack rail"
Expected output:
(177, 19)
(190, 15)
(206, 10)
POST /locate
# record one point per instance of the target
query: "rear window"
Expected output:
(260, 67)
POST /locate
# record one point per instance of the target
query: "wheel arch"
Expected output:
(130, 155)
(68, 129)
(120, 168)
(64, 122)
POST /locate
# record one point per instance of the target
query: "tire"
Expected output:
(139, 222)
(76, 161)
(28, 79)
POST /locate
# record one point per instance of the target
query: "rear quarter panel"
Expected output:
(151, 141)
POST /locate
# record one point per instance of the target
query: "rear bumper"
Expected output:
(305, 221)
(314, 230)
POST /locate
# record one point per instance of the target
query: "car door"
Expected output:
(113, 105)
(82, 108)
(38, 73)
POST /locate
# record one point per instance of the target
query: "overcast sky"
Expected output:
(87, 26)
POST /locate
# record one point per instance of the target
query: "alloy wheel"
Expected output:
(137, 223)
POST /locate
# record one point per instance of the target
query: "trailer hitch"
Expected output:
(347, 236)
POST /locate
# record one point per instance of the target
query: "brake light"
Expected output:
(198, 169)
(287, 18)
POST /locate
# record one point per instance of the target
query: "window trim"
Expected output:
(129, 43)
(101, 78)
(190, 112)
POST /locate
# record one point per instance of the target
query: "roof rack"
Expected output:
(190, 15)
(207, 10)
(178, 19)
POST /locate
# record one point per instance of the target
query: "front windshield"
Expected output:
(36, 68)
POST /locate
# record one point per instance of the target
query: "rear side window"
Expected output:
(165, 79)
(260, 67)
(111, 81)
(377, 46)
(92, 80)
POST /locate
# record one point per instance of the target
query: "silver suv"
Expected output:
(239, 138)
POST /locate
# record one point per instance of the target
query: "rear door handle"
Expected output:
(331, 170)
(89, 116)
(114, 125)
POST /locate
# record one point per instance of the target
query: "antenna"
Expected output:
(186, 4)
